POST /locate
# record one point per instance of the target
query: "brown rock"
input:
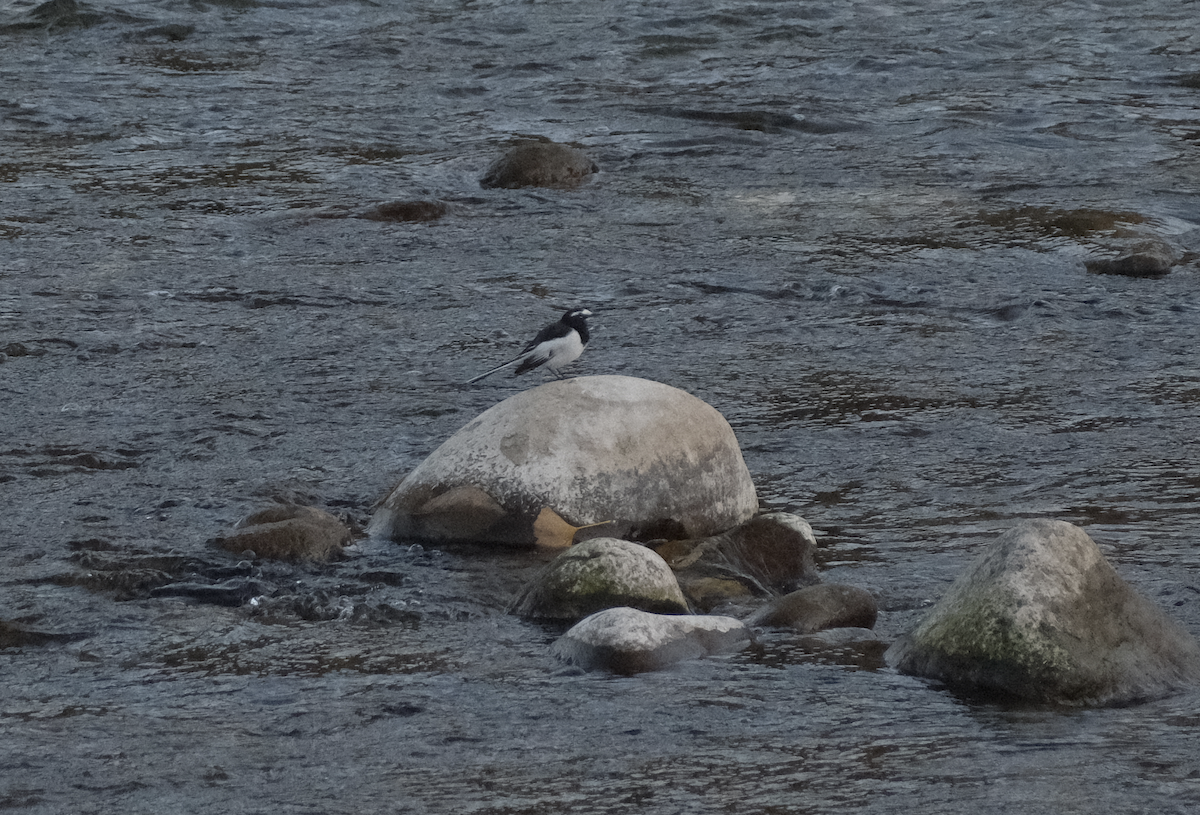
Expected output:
(707, 593)
(539, 164)
(405, 211)
(769, 554)
(288, 532)
(1152, 258)
(816, 608)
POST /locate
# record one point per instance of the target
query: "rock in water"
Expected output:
(1153, 258)
(405, 211)
(767, 555)
(817, 608)
(539, 164)
(654, 460)
(288, 532)
(1042, 615)
(628, 641)
(598, 574)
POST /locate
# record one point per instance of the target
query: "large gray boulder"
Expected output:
(629, 641)
(654, 460)
(1043, 616)
(598, 574)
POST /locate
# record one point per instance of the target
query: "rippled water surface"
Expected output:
(858, 229)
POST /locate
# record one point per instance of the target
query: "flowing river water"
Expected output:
(858, 229)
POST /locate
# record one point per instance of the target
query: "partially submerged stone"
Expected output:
(1042, 615)
(1150, 258)
(644, 455)
(598, 574)
(629, 641)
(539, 164)
(288, 532)
(817, 608)
(770, 554)
(404, 211)
(704, 594)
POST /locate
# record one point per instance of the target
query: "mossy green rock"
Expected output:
(598, 574)
(1041, 615)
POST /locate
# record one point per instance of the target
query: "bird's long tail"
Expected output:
(485, 374)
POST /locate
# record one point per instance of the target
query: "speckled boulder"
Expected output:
(628, 641)
(539, 164)
(1042, 615)
(598, 574)
(651, 459)
(816, 608)
(288, 532)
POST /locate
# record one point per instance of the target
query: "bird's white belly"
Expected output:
(561, 352)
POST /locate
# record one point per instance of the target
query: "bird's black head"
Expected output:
(577, 319)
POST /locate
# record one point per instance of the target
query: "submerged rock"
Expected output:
(405, 211)
(1153, 258)
(816, 608)
(13, 635)
(235, 592)
(1043, 616)
(628, 641)
(57, 15)
(539, 164)
(770, 554)
(704, 594)
(650, 458)
(598, 574)
(288, 532)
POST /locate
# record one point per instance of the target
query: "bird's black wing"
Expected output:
(553, 331)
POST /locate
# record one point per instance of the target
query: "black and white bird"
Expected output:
(556, 346)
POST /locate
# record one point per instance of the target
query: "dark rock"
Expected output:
(816, 608)
(58, 15)
(539, 164)
(288, 532)
(234, 592)
(707, 593)
(171, 32)
(18, 636)
(858, 648)
(405, 211)
(770, 554)
(1148, 259)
